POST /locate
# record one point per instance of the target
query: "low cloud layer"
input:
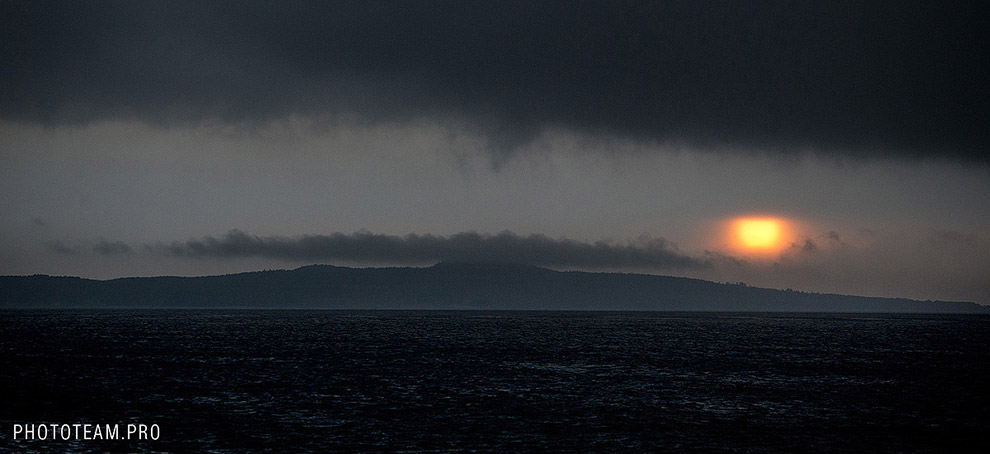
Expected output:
(904, 78)
(506, 247)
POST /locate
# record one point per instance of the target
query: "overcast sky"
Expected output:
(185, 138)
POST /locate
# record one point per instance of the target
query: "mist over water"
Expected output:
(318, 381)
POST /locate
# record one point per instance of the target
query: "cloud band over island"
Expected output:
(504, 247)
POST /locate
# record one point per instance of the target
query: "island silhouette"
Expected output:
(445, 286)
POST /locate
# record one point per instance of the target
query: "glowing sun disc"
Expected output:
(760, 234)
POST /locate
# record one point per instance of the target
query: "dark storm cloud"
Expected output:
(505, 247)
(878, 77)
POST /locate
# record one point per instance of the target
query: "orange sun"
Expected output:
(759, 234)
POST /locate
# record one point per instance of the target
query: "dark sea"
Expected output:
(379, 381)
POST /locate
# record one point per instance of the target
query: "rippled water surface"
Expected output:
(319, 381)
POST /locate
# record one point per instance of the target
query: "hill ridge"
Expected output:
(445, 285)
